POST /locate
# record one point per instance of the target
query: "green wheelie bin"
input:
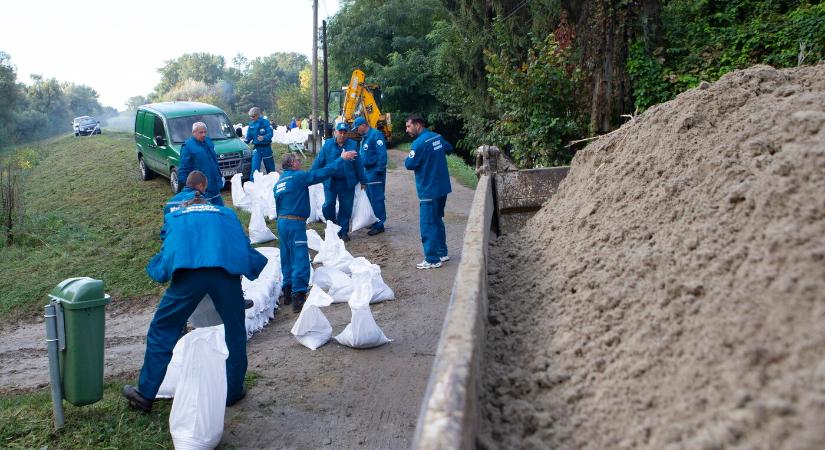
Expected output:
(82, 307)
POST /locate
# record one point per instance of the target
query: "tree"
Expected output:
(203, 67)
(133, 103)
(81, 100)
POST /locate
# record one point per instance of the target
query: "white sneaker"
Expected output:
(425, 265)
(444, 258)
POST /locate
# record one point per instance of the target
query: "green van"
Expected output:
(162, 128)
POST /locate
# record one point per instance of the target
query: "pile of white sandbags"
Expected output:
(257, 198)
(294, 136)
(263, 291)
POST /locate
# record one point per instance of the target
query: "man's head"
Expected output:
(415, 124)
(360, 126)
(197, 181)
(254, 113)
(341, 130)
(291, 161)
(199, 131)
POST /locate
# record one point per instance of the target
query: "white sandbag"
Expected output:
(239, 197)
(362, 331)
(333, 253)
(196, 419)
(362, 214)
(380, 290)
(294, 136)
(170, 380)
(312, 329)
(314, 241)
(264, 194)
(263, 291)
(316, 203)
(258, 231)
(337, 284)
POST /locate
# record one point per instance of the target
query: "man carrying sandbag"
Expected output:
(374, 153)
(195, 270)
(292, 200)
(341, 186)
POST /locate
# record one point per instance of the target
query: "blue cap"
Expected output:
(358, 122)
(342, 126)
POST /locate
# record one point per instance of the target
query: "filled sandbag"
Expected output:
(312, 329)
(333, 253)
(316, 203)
(380, 290)
(362, 213)
(314, 241)
(337, 284)
(263, 291)
(362, 331)
(239, 197)
(196, 419)
(258, 231)
(264, 194)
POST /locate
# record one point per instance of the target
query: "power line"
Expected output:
(516, 9)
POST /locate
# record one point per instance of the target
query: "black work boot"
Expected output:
(298, 299)
(136, 400)
(286, 293)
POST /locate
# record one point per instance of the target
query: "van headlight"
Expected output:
(247, 153)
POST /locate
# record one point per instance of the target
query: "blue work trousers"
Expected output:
(187, 289)
(433, 233)
(345, 200)
(292, 237)
(375, 192)
(262, 154)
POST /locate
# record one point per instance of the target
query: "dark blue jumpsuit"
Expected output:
(196, 155)
(196, 269)
(263, 148)
(292, 199)
(374, 154)
(432, 183)
(341, 186)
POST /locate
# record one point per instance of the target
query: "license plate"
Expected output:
(228, 172)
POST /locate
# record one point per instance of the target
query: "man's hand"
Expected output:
(363, 186)
(349, 156)
(260, 138)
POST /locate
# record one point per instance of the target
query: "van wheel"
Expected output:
(173, 180)
(145, 173)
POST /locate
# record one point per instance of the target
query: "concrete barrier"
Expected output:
(523, 190)
(449, 416)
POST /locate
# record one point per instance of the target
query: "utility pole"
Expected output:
(314, 120)
(326, 79)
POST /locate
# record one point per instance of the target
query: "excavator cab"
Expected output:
(360, 99)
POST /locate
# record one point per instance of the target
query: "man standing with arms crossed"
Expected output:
(374, 154)
(432, 183)
(260, 134)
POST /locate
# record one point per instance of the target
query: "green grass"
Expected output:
(458, 169)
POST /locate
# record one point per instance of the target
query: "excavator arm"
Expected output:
(359, 100)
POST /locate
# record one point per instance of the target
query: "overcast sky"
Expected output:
(116, 47)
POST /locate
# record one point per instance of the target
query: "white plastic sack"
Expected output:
(337, 284)
(316, 203)
(314, 241)
(333, 253)
(362, 331)
(239, 198)
(380, 290)
(196, 419)
(362, 214)
(263, 291)
(258, 231)
(170, 380)
(312, 329)
(264, 194)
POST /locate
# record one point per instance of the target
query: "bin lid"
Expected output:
(80, 292)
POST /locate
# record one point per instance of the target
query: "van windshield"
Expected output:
(217, 127)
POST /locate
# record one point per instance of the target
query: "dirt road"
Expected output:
(334, 397)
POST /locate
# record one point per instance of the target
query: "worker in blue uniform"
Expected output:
(374, 154)
(432, 183)
(292, 200)
(195, 183)
(195, 270)
(259, 133)
(198, 153)
(342, 186)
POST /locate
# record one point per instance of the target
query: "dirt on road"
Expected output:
(334, 397)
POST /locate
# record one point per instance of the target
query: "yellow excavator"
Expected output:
(360, 99)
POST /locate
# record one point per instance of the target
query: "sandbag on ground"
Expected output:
(362, 331)
(263, 291)
(312, 329)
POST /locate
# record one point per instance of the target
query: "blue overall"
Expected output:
(263, 148)
(196, 155)
(195, 270)
(292, 199)
(340, 187)
(174, 204)
(374, 154)
(432, 183)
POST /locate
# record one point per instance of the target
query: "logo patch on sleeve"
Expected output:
(412, 153)
(379, 142)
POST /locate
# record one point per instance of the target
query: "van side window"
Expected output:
(139, 122)
(159, 131)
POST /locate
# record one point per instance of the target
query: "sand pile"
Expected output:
(672, 294)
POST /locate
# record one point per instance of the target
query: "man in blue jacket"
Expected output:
(195, 270)
(292, 200)
(432, 183)
(198, 153)
(260, 134)
(342, 186)
(195, 183)
(374, 153)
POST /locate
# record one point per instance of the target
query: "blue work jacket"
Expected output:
(205, 235)
(175, 202)
(352, 172)
(260, 127)
(428, 158)
(374, 152)
(291, 193)
(196, 155)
